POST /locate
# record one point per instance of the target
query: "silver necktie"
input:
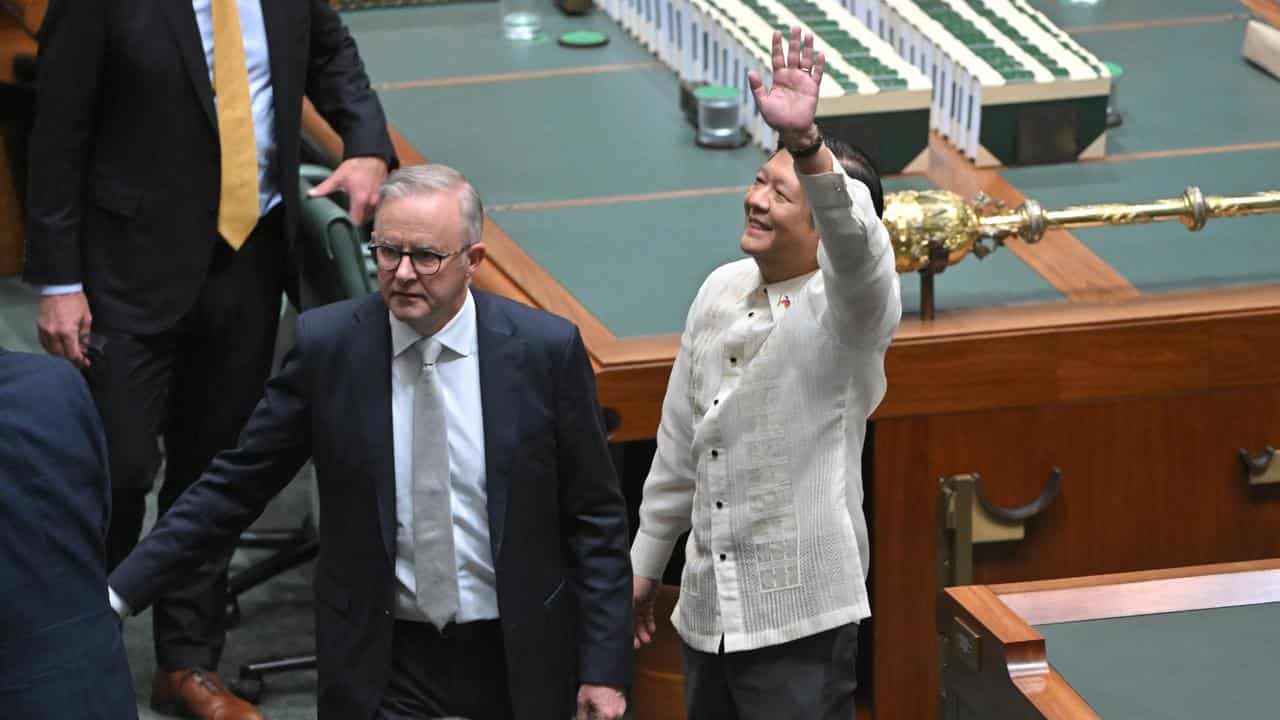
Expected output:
(435, 569)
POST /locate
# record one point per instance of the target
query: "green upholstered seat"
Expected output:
(333, 256)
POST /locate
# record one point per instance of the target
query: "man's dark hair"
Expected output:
(858, 165)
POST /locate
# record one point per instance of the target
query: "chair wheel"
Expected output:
(249, 688)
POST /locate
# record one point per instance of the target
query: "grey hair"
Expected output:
(435, 178)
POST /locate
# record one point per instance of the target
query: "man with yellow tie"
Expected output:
(162, 209)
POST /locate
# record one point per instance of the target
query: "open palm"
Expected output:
(791, 104)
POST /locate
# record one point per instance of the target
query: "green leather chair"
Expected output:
(334, 261)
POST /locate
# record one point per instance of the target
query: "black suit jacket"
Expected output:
(124, 173)
(557, 520)
(60, 648)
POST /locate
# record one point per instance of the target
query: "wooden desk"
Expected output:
(1185, 643)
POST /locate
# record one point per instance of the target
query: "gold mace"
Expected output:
(931, 229)
(923, 220)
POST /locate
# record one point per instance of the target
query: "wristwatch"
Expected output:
(805, 152)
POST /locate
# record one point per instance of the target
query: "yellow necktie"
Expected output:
(238, 198)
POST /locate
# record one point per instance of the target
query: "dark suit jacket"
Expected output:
(557, 520)
(60, 650)
(124, 173)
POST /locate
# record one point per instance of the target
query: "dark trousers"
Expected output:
(461, 673)
(807, 679)
(195, 385)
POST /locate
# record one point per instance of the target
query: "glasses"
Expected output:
(424, 261)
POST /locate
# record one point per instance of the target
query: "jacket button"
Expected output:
(723, 556)
(733, 360)
(719, 505)
(715, 453)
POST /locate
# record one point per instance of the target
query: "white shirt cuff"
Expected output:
(118, 604)
(60, 289)
(649, 556)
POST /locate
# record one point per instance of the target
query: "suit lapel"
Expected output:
(182, 19)
(371, 357)
(501, 370)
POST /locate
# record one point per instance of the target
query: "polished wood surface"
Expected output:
(1067, 352)
(1141, 576)
(1009, 674)
(1268, 10)
(1130, 594)
(1013, 677)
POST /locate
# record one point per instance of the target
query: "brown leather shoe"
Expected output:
(198, 694)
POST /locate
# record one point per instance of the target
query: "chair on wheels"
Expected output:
(334, 264)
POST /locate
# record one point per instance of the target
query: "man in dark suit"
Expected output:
(60, 649)
(160, 228)
(473, 556)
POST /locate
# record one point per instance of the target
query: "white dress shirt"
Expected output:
(261, 95)
(458, 369)
(760, 443)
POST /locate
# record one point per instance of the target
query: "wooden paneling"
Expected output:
(1014, 357)
(962, 375)
(1068, 352)
(11, 230)
(1147, 482)
(1142, 360)
(631, 395)
(1245, 350)
(904, 669)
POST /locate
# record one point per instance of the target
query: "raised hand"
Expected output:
(791, 104)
